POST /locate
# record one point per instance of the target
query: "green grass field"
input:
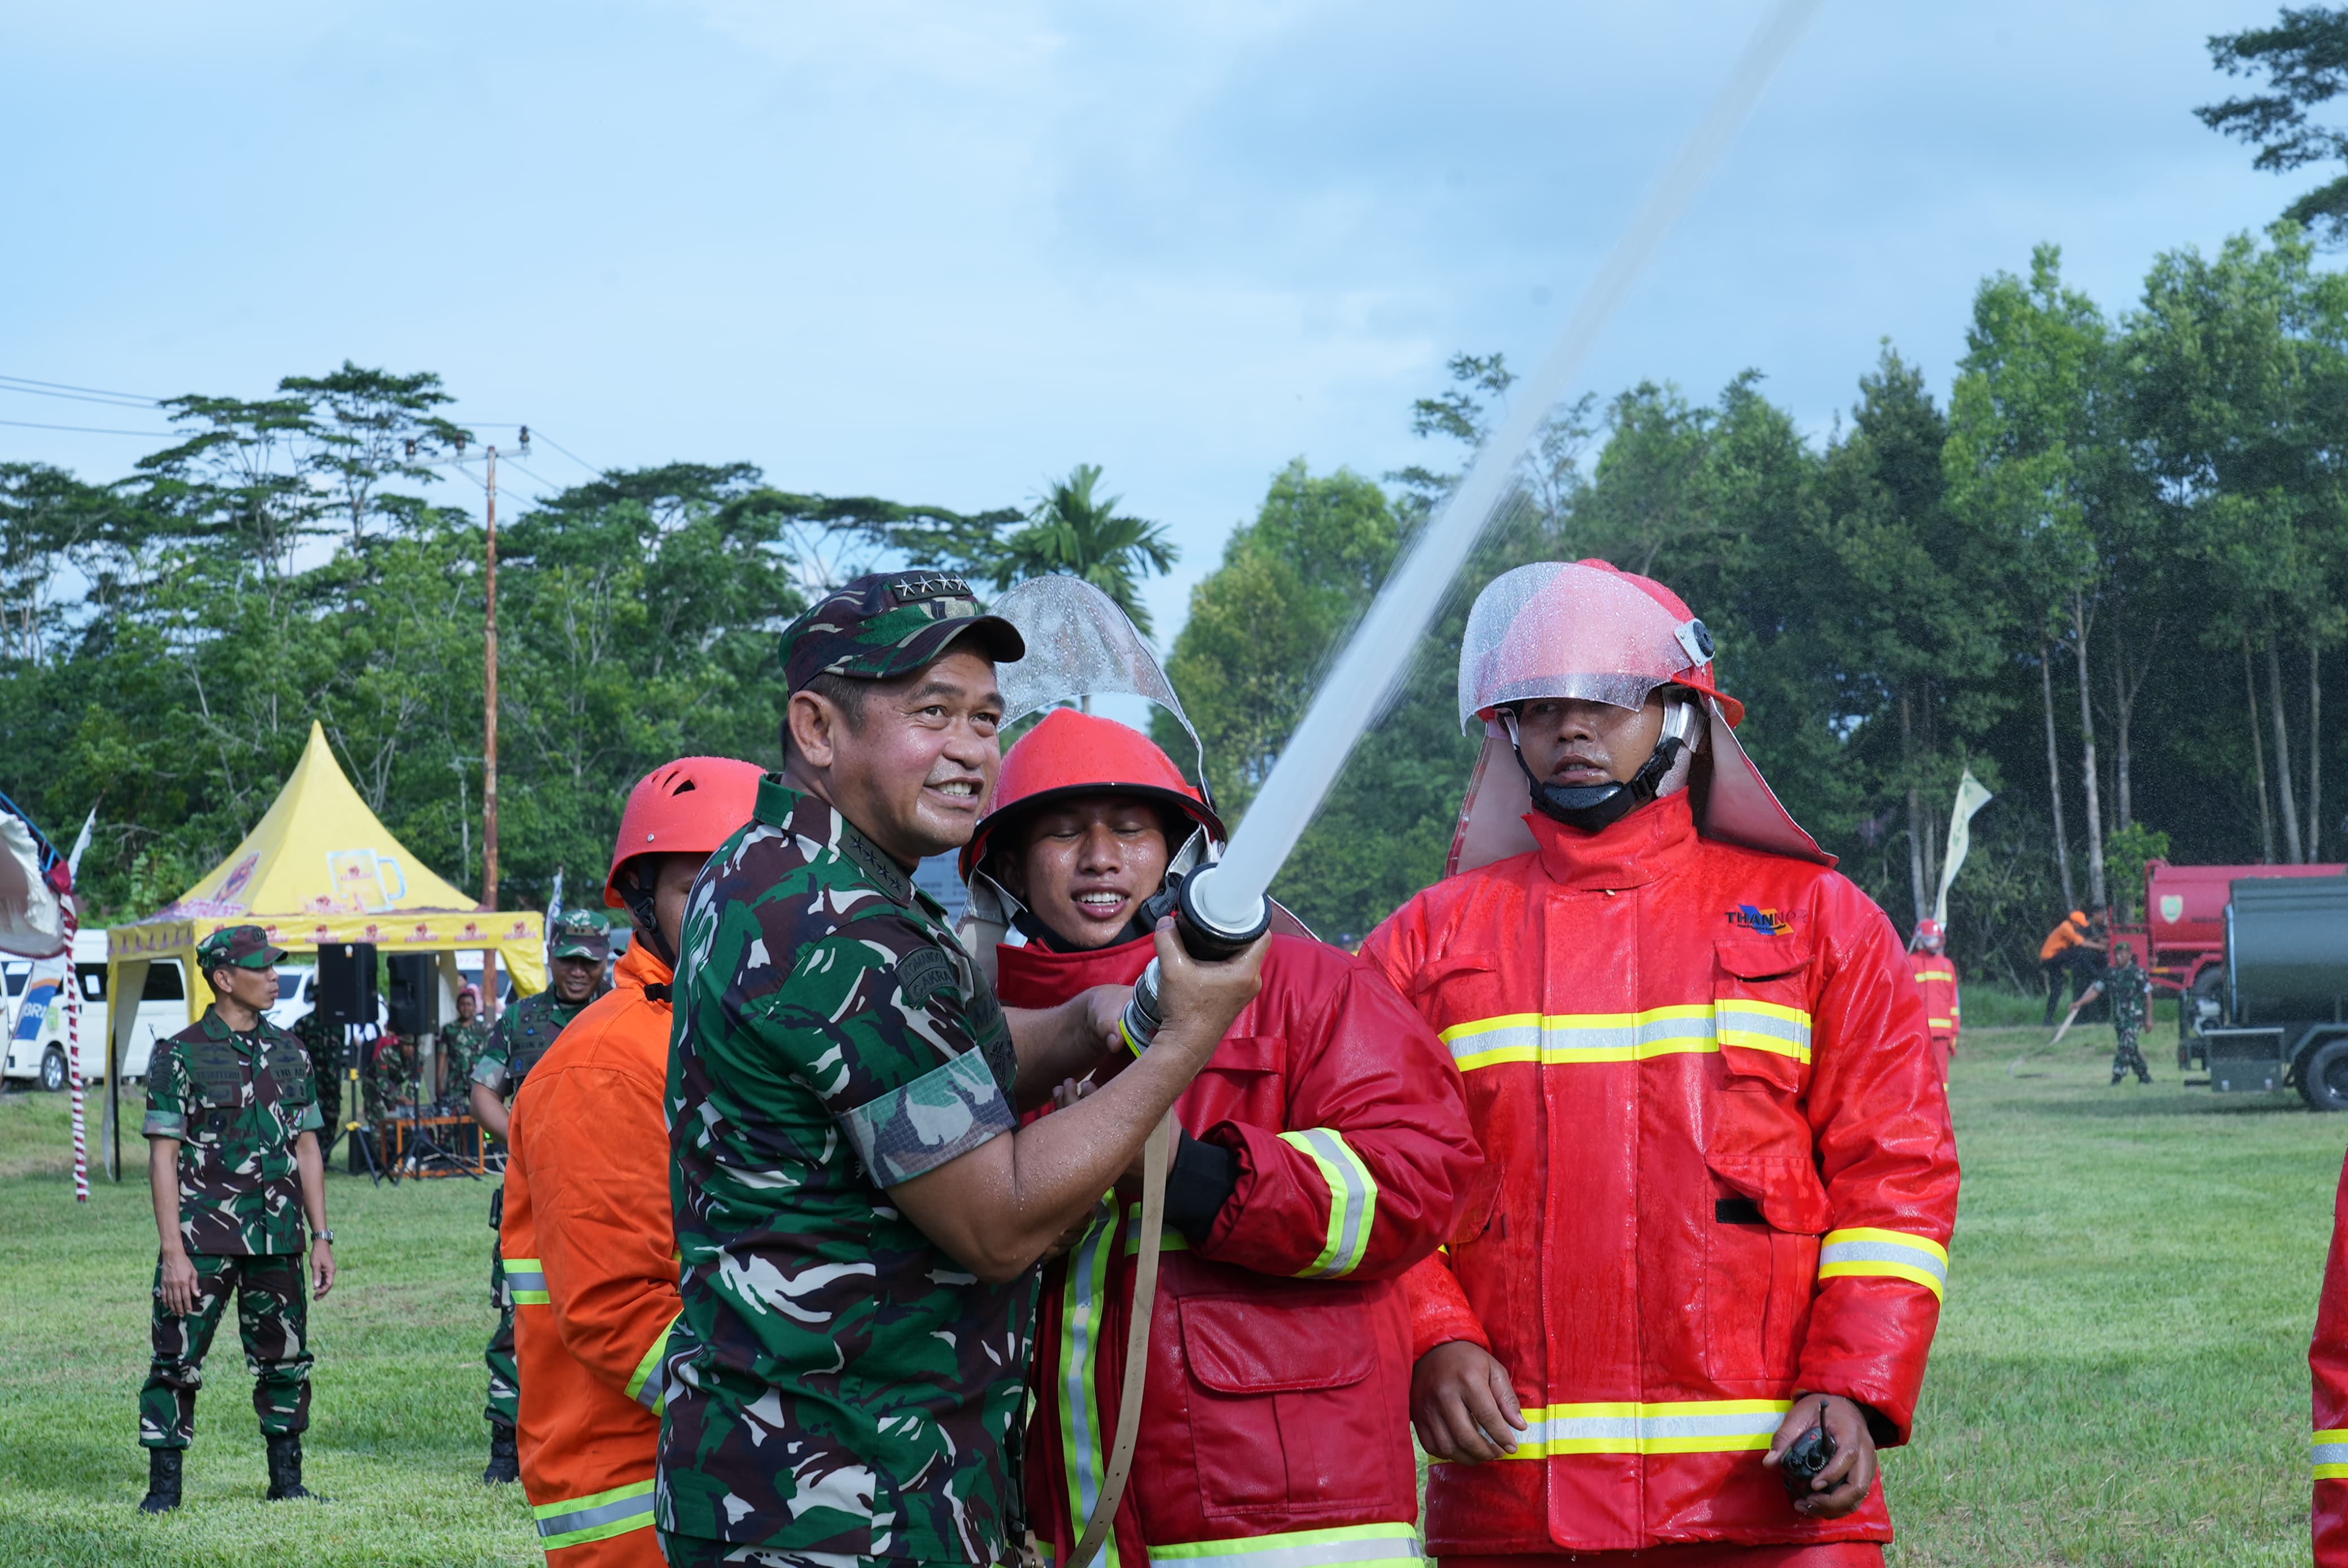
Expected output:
(2120, 1379)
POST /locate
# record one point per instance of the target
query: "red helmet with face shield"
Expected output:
(1071, 753)
(1587, 631)
(1582, 631)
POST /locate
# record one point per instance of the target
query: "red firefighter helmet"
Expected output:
(1073, 753)
(687, 807)
(1588, 630)
(1929, 931)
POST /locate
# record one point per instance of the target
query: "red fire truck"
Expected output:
(2183, 939)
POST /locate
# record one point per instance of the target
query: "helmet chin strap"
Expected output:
(1593, 807)
(646, 914)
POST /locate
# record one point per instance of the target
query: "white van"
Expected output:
(35, 1012)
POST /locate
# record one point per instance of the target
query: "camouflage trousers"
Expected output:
(2129, 1057)
(691, 1551)
(504, 1408)
(272, 1313)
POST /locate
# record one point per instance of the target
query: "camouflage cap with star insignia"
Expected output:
(238, 947)
(578, 935)
(891, 624)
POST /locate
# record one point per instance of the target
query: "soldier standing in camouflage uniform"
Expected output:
(576, 949)
(858, 1211)
(462, 1042)
(326, 1044)
(232, 1160)
(2130, 991)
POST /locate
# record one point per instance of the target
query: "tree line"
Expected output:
(2104, 574)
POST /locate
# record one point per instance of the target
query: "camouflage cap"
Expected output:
(891, 624)
(237, 947)
(578, 935)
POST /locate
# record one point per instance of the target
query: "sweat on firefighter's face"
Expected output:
(1089, 863)
(1577, 744)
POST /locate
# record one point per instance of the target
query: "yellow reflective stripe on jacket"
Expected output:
(1084, 1298)
(2328, 1451)
(1675, 1427)
(1940, 1023)
(1390, 1545)
(1352, 1200)
(1169, 1240)
(1924, 975)
(1888, 1254)
(1569, 1039)
(595, 1517)
(648, 1385)
(526, 1281)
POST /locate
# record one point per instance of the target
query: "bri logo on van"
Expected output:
(1767, 922)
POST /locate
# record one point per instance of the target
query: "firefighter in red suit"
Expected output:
(1936, 977)
(2328, 1359)
(1319, 1158)
(1724, 1180)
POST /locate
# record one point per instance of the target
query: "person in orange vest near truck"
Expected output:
(590, 1246)
(1936, 976)
(2068, 956)
(1321, 1154)
(1705, 1288)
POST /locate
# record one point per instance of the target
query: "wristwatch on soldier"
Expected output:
(325, 1237)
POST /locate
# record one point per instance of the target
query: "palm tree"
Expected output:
(1074, 533)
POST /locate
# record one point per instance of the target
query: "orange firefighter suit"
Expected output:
(1724, 1175)
(590, 1255)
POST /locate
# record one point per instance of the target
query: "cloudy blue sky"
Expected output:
(941, 251)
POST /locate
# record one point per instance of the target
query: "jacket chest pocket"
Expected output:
(1761, 1021)
(1767, 1207)
(1244, 1081)
(1288, 1409)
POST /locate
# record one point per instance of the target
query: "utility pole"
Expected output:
(489, 751)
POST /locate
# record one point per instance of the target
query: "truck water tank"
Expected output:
(2286, 950)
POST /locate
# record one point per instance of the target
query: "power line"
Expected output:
(66, 388)
(567, 452)
(95, 430)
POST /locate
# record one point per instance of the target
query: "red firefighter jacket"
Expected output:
(590, 1255)
(1936, 978)
(2328, 1359)
(1276, 1410)
(1722, 1169)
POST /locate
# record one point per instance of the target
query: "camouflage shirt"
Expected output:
(837, 1382)
(2130, 994)
(525, 1032)
(236, 1103)
(462, 1045)
(391, 1078)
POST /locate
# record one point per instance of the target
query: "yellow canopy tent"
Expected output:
(317, 869)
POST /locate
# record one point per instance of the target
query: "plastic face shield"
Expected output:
(1557, 630)
(1079, 644)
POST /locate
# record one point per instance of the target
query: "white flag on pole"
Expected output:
(1970, 798)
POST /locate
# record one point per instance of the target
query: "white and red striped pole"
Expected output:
(73, 1057)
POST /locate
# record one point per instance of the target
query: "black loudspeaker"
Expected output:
(347, 982)
(414, 999)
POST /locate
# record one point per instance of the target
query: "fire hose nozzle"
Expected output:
(1209, 933)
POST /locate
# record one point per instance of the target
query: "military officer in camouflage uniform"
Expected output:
(2129, 990)
(393, 1078)
(576, 949)
(232, 1160)
(326, 1044)
(462, 1042)
(858, 1211)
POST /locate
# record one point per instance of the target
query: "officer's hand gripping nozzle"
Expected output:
(1207, 932)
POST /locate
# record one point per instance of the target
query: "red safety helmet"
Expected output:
(687, 807)
(1928, 930)
(1588, 630)
(1073, 753)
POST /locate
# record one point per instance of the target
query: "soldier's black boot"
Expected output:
(285, 1468)
(163, 1481)
(505, 1464)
